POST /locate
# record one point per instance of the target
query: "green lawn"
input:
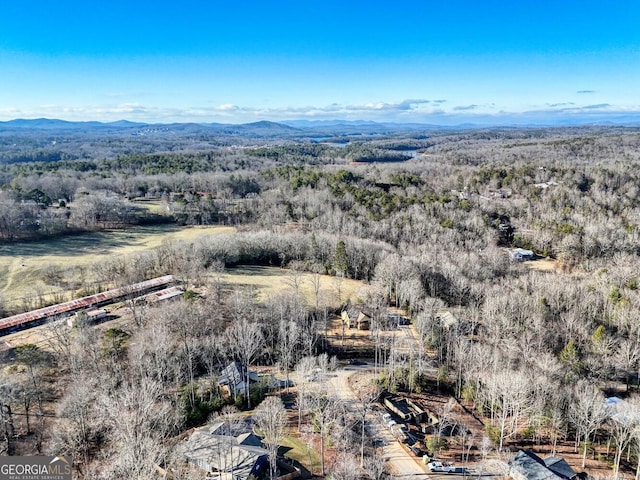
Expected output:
(301, 453)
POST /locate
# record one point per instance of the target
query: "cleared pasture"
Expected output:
(25, 266)
(269, 281)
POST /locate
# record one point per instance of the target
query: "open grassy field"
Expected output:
(544, 265)
(268, 281)
(153, 206)
(24, 265)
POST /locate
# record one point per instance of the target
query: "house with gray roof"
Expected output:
(223, 454)
(526, 465)
(520, 254)
(234, 377)
(357, 317)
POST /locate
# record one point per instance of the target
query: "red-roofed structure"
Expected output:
(96, 300)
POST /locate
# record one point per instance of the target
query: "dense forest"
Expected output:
(425, 219)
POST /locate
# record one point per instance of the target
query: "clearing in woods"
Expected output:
(261, 280)
(269, 281)
(543, 265)
(23, 266)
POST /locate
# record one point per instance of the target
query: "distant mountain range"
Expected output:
(264, 129)
(289, 125)
(45, 139)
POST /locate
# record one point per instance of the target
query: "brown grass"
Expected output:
(267, 281)
(543, 265)
(24, 266)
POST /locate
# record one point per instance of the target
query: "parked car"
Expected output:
(416, 451)
(446, 467)
(356, 362)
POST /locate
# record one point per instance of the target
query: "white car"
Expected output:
(441, 467)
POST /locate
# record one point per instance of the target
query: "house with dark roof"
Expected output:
(224, 454)
(526, 465)
(234, 378)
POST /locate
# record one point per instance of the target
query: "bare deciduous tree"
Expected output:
(58, 338)
(624, 421)
(304, 368)
(628, 358)
(139, 420)
(80, 423)
(289, 312)
(511, 399)
(245, 340)
(587, 412)
(32, 357)
(7, 397)
(270, 420)
(325, 411)
(375, 466)
(367, 395)
(345, 467)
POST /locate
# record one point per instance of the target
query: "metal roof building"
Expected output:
(96, 300)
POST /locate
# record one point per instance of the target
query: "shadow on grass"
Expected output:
(257, 270)
(304, 472)
(297, 452)
(85, 243)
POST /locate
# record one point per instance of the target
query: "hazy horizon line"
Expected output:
(507, 120)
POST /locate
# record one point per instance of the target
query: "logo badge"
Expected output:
(36, 468)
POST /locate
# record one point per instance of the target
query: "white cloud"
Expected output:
(227, 107)
(409, 110)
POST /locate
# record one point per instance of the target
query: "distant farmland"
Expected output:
(25, 266)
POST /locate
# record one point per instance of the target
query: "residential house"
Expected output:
(234, 378)
(520, 254)
(226, 454)
(447, 319)
(356, 317)
(396, 320)
(526, 465)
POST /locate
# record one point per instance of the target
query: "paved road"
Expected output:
(403, 464)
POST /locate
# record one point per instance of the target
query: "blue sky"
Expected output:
(403, 61)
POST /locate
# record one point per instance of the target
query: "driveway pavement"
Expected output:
(401, 463)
